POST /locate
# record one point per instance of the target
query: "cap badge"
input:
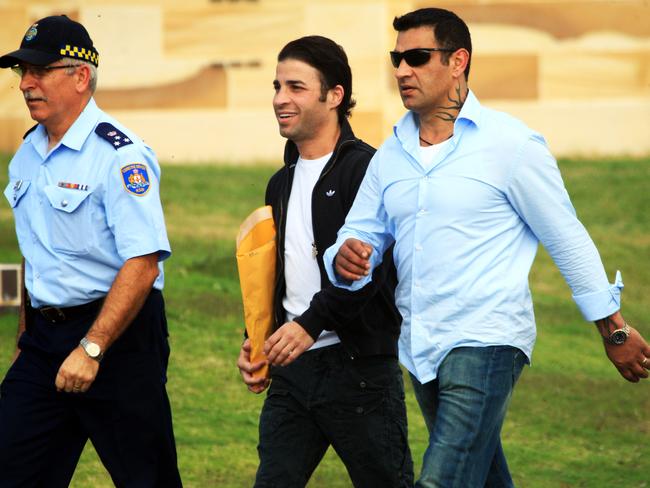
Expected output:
(31, 32)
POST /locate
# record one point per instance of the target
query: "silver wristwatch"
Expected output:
(92, 350)
(619, 336)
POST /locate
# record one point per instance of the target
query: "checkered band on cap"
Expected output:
(80, 53)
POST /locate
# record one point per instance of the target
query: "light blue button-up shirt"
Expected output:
(78, 215)
(466, 231)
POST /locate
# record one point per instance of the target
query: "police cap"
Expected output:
(51, 39)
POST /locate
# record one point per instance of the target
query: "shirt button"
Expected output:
(417, 284)
(418, 247)
(64, 203)
(362, 384)
(359, 410)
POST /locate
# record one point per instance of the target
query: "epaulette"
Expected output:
(32, 129)
(110, 133)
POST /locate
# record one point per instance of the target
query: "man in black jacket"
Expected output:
(346, 390)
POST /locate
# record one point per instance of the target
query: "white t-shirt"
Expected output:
(301, 272)
(428, 153)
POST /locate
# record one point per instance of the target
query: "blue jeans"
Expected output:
(464, 408)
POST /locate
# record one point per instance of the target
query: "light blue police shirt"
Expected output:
(466, 232)
(83, 208)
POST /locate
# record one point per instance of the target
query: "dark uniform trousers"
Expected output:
(327, 398)
(125, 413)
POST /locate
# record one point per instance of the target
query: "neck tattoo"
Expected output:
(450, 113)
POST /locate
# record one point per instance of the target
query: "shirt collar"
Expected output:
(471, 110)
(79, 131)
(406, 129)
(38, 139)
(407, 132)
(74, 137)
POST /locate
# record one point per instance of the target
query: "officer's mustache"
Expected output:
(30, 97)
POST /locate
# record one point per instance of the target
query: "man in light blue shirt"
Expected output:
(466, 194)
(92, 348)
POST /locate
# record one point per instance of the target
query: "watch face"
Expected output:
(92, 349)
(618, 337)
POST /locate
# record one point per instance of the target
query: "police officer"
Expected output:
(92, 345)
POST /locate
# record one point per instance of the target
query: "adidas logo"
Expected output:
(330, 193)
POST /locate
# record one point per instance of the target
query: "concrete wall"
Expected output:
(193, 78)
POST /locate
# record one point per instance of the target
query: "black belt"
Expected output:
(56, 315)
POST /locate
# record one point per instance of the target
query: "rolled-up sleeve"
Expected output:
(601, 304)
(537, 193)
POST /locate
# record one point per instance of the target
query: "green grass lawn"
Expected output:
(573, 421)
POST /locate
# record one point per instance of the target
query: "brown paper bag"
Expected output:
(256, 264)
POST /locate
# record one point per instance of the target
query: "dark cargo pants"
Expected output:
(326, 398)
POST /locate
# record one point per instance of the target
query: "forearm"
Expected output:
(128, 293)
(333, 307)
(607, 325)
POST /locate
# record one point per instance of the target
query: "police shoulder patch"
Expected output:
(111, 134)
(135, 177)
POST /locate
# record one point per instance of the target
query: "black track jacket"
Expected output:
(366, 321)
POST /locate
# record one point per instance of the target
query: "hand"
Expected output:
(246, 368)
(287, 343)
(629, 357)
(353, 259)
(77, 372)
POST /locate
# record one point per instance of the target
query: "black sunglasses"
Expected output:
(416, 57)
